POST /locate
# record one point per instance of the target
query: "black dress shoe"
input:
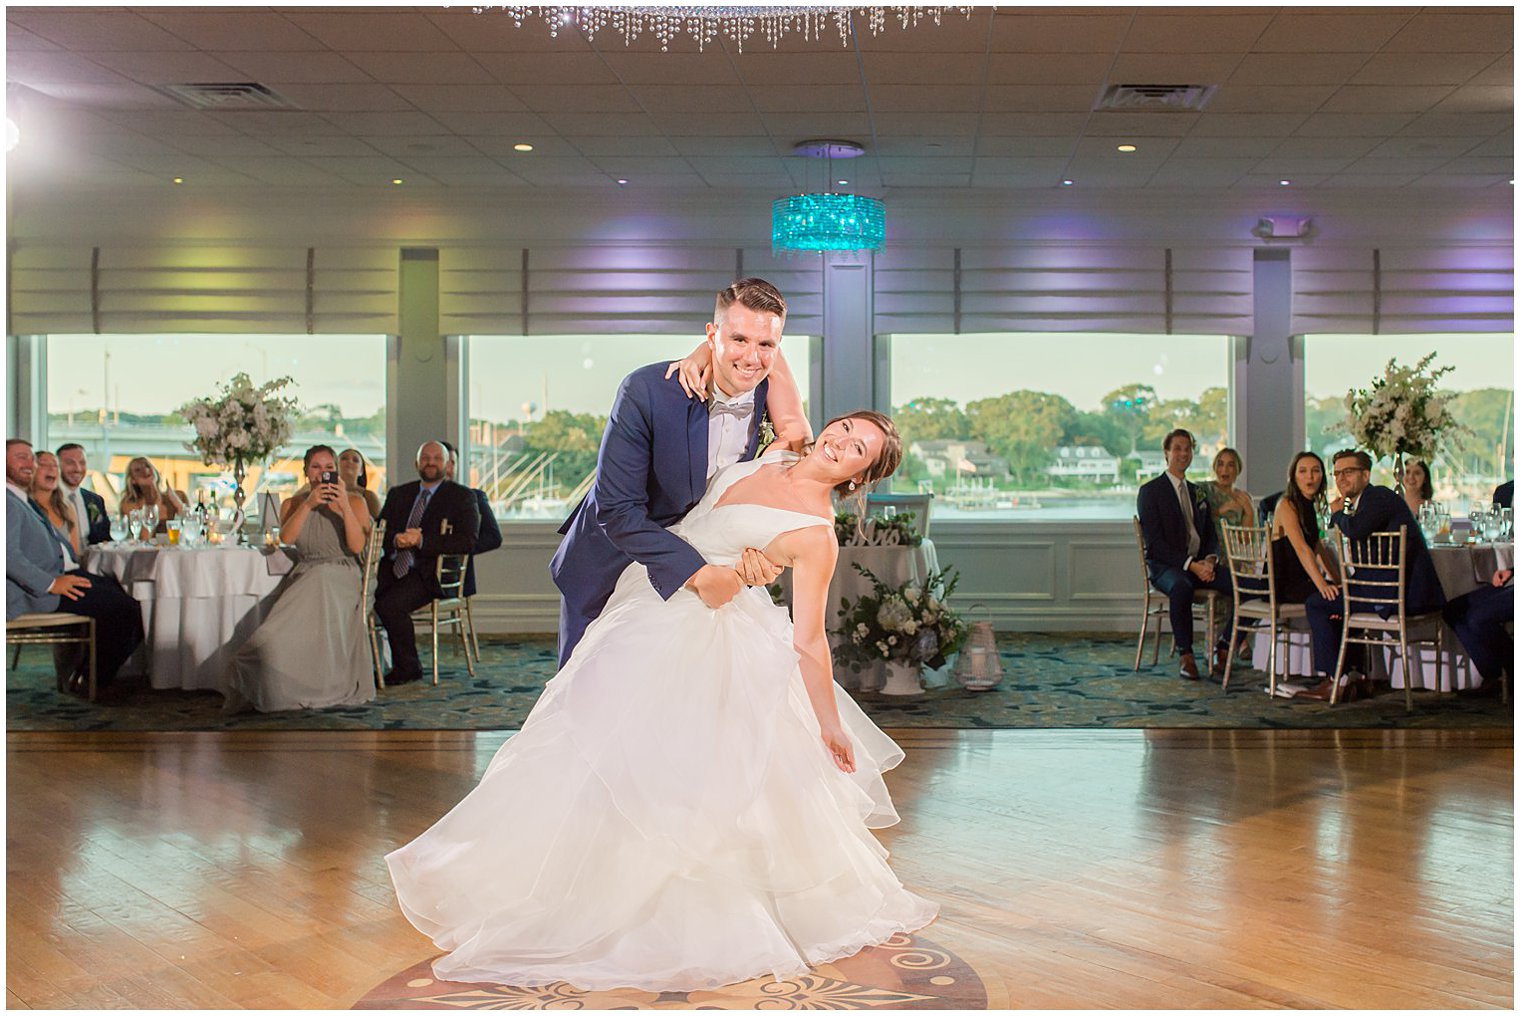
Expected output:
(394, 678)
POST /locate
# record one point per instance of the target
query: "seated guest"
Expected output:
(355, 473)
(1479, 617)
(1228, 504)
(1417, 488)
(1302, 563)
(1267, 505)
(1504, 494)
(55, 508)
(89, 507)
(424, 519)
(42, 575)
(311, 650)
(1361, 509)
(1180, 549)
(490, 533)
(146, 487)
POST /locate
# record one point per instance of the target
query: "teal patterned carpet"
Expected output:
(1049, 680)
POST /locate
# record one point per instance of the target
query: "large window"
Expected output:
(538, 405)
(1482, 378)
(119, 396)
(1051, 426)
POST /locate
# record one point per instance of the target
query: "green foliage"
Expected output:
(1024, 427)
(1133, 406)
(931, 420)
(908, 623)
(851, 532)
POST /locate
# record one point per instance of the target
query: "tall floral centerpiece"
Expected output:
(1401, 414)
(907, 627)
(241, 425)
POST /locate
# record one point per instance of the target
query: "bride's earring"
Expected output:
(852, 486)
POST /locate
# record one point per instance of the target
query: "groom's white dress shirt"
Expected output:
(81, 513)
(728, 435)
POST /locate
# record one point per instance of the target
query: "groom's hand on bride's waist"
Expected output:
(755, 569)
(716, 584)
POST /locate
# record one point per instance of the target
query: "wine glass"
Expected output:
(134, 526)
(1492, 525)
(119, 527)
(150, 519)
(1429, 523)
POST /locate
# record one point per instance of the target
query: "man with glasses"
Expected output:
(1361, 509)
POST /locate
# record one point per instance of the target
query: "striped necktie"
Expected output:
(404, 558)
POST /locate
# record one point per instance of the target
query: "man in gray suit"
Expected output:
(41, 576)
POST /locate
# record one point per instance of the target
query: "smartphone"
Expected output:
(329, 476)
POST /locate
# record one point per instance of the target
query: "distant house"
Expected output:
(953, 457)
(1151, 464)
(1085, 462)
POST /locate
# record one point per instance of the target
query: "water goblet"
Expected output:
(1492, 525)
(118, 528)
(190, 529)
(150, 519)
(134, 526)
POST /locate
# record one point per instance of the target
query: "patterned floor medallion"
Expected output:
(905, 972)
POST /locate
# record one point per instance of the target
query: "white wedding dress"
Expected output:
(668, 817)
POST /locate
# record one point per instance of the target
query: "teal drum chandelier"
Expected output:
(825, 221)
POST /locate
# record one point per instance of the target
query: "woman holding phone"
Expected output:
(310, 651)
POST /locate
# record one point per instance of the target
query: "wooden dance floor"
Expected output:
(1130, 869)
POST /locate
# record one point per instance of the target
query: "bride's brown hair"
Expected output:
(886, 462)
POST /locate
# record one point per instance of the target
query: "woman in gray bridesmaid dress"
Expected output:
(311, 650)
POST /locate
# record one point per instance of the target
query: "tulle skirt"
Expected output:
(667, 819)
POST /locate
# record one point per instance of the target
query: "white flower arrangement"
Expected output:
(907, 624)
(1402, 413)
(243, 424)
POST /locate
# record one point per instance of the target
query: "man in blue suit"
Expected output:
(658, 452)
(1180, 551)
(41, 576)
(89, 507)
(1364, 508)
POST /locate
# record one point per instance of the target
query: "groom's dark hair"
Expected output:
(756, 294)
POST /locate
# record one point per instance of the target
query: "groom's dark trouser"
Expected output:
(1178, 585)
(393, 606)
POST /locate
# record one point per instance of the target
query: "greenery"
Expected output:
(906, 624)
(852, 532)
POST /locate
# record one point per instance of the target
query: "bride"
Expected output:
(690, 802)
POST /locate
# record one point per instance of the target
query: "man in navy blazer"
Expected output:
(489, 537)
(41, 576)
(424, 519)
(89, 507)
(1180, 551)
(1364, 508)
(658, 452)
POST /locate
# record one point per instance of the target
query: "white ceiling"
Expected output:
(1366, 97)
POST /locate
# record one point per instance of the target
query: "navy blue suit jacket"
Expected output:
(1504, 494)
(650, 471)
(489, 537)
(97, 527)
(1165, 532)
(1380, 510)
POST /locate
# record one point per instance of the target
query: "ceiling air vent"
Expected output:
(231, 95)
(1166, 98)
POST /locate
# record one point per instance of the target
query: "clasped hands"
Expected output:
(1203, 568)
(408, 539)
(716, 584)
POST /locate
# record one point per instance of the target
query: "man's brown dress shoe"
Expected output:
(1189, 667)
(1221, 657)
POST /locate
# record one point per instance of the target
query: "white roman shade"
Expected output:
(191, 288)
(1064, 289)
(1403, 290)
(608, 290)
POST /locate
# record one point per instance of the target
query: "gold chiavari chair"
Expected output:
(1383, 555)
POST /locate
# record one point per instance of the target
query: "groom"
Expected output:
(658, 452)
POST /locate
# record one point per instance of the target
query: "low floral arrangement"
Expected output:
(904, 624)
(877, 531)
(243, 423)
(1402, 413)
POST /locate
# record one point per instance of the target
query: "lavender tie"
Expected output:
(404, 558)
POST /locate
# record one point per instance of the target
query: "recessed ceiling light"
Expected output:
(398, 181)
(179, 179)
(622, 181)
(1066, 183)
(1283, 183)
(522, 146)
(1126, 148)
(844, 183)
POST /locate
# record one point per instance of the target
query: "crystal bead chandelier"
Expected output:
(737, 22)
(827, 220)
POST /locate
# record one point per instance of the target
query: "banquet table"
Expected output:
(197, 605)
(1461, 568)
(894, 565)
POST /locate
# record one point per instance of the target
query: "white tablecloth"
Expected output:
(1465, 567)
(197, 605)
(1456, 671)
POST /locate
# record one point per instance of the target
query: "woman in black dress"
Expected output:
(1301, 560)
